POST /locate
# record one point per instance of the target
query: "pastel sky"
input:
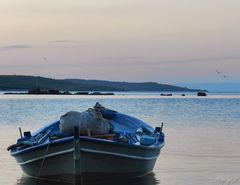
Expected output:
(168, 41)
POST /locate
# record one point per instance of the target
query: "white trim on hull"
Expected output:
(47, 156)
(90, 151)
(118, 154)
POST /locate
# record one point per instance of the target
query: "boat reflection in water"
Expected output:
(149, 179)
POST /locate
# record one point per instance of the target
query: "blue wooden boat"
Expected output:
(130, 150)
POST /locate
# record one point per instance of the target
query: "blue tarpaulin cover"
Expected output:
(125, 123)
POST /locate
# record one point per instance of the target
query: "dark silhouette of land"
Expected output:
(20, 82)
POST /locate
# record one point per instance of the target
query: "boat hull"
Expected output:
(97, 158)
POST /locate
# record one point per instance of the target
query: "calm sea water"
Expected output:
(202, 133)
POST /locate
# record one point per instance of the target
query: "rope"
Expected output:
(45, 153)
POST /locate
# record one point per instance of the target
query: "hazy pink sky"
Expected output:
(168, 41)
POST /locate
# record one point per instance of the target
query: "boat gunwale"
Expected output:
(86, 138)
(89, 151)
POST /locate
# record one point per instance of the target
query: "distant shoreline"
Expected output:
(59, 93)
(21, 82)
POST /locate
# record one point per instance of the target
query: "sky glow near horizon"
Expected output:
(167, 41)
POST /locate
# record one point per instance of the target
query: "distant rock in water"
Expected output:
(53, 91)
(67, 93)
(58, 92)
(40, 91)
(13, 93)
(166, 94)
(35, 91)
(100, 93)
(82, 93)
(201, 94)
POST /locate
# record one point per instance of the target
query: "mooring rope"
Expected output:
(45, 153)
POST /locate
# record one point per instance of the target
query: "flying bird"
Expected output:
(222, 74)
(218, 72)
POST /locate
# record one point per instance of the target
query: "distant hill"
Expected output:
(131, 86)
(20, 82)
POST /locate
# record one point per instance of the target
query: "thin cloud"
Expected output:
(209, 59)
(154, 61)
(72, 41)
(62, 41)
(15, 46)
(125, 58)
